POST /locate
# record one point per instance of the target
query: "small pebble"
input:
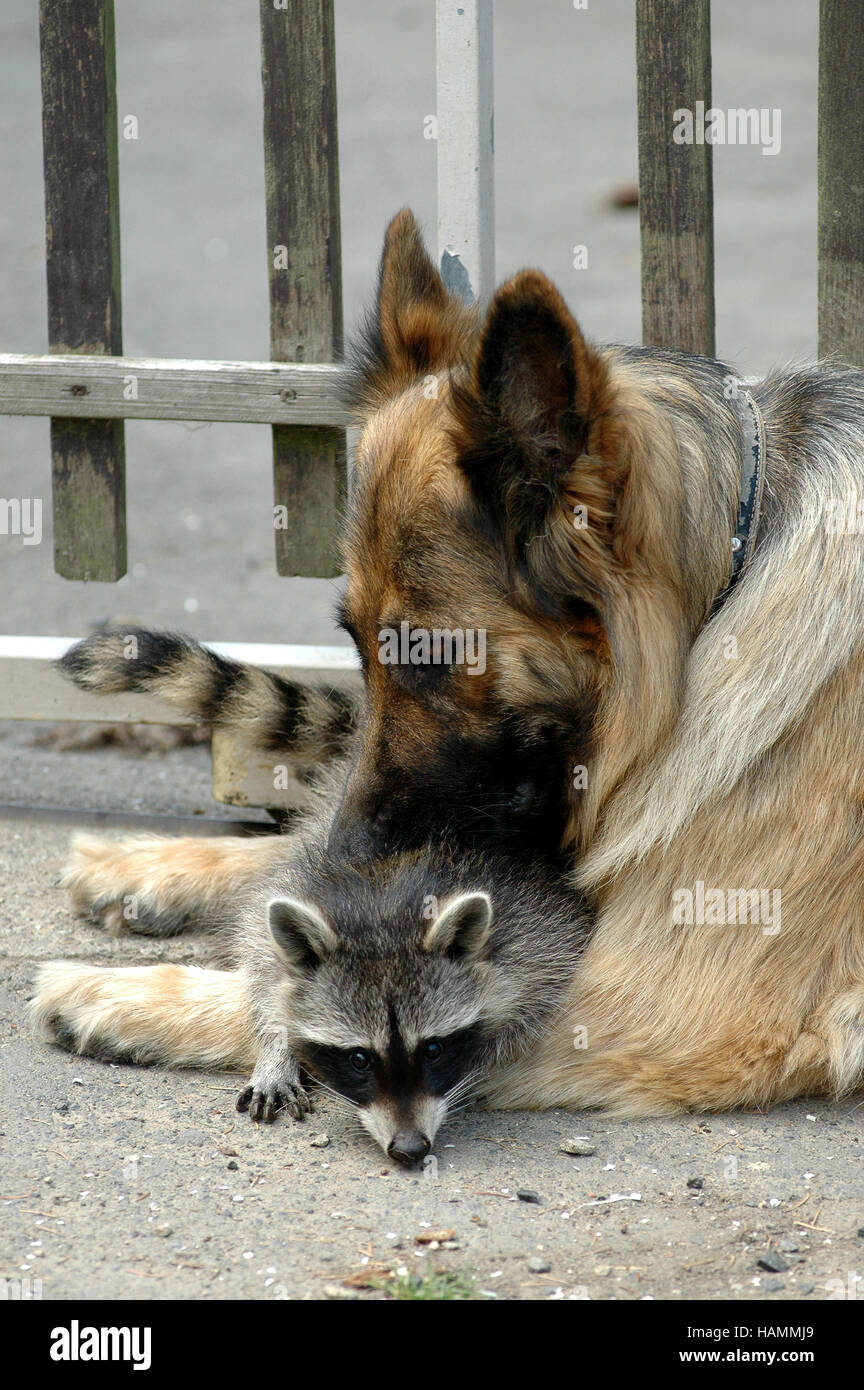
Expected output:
(583, 1148)
(774, 1263)
(538, 1265)
(232, 1166)
(804, 1289)
(337, 1291)
(626, 195)
(319, 1141)
(696, 1183)
(526, 1195)
(163, 1229)
(435, 1238)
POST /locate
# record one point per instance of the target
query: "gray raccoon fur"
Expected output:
(331, 958)
(426, 951)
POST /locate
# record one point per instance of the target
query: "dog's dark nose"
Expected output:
(352, 840)
(362, 831)
(409, 1148)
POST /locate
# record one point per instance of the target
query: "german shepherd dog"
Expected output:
(692, 746)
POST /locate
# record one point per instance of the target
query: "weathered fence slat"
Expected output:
(79, 123)
(164, 388)
(676, 203)
(301, 161)
(466, 190)
(841, 184)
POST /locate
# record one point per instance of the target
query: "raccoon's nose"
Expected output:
(409, 1149)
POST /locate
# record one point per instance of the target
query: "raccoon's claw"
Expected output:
(263, 1104)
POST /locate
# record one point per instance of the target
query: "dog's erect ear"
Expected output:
(462, 927)
(303, 936)
(416, 327)
(536, 389)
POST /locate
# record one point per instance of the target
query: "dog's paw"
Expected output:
(262, 1102)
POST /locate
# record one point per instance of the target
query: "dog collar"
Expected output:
(750, 494)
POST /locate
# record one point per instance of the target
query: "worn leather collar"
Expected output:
(753, 452)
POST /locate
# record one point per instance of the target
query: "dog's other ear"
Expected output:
(416, 327)
(537, 388)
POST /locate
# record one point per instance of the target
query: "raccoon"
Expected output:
(397, 986)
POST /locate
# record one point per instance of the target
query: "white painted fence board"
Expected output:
(30, 687)
(466, 196)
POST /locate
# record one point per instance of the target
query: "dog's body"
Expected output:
(717, 750)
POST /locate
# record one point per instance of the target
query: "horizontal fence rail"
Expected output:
(163, 388)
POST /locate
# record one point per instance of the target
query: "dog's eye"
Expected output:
(360, 1060)
(433, 1049)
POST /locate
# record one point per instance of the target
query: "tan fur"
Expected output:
(112, 878)
(179, 1015)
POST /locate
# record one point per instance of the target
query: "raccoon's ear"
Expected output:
(462, 927)
(416, 325)
(303, 936)
(536, 389)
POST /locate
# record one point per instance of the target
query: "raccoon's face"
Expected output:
(401, 1034)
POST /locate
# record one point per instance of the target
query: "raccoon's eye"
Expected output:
(360, 1060)
(433, 1049)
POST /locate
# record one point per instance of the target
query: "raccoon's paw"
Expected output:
(263, 1101)
(124, 884)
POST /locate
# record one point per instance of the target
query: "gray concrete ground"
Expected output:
(123, 1183)
(120, 1182)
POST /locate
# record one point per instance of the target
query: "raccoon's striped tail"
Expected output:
(273, 714)
(169, 1015)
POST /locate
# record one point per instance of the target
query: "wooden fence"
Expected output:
(676, 199)
(89, 388)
